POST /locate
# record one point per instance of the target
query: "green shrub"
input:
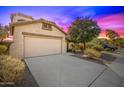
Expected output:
(103, 41)
(81, 46)
(98, 47)
(75, 47)
(94, 46)
(3, 49)
(89, 45)
(118, 42)
(11, 69)
(92, 53)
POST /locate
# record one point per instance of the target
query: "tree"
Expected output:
(7, 30)
(83, 30)
(111, 34)
(3, 33)
(1, 27)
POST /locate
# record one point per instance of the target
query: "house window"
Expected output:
(21, 20)
(47, 26)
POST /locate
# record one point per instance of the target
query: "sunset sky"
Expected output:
(107, 17)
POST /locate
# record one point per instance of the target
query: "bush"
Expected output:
(3, 49)
(118, 42)
(92, 53)
(97, 44)
(103, 41)
(97, 47)
(75, 47)
(81, 47)
(11, 69)
(89, 45)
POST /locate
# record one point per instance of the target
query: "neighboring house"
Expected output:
(35, 37)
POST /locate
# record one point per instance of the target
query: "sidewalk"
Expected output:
(118, 65)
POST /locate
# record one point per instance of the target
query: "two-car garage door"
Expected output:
(39, 46)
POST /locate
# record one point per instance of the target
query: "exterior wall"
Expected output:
(16, 49)
(16, 18)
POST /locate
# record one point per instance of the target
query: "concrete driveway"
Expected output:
(64, 71)
(118, 64)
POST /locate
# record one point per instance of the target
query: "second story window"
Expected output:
(21, 20)
(47, 26)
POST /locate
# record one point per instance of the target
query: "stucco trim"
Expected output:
(34, 34)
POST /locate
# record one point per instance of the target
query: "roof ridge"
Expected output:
(47, 21)
(36, 20)
(21, 14)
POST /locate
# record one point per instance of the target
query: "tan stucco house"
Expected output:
(35, 37)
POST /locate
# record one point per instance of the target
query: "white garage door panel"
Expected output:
(35, 46)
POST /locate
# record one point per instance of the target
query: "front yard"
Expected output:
(105, 57)
(28, 80)
(94, 55)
